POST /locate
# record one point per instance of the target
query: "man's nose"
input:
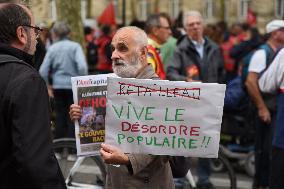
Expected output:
(114, 55)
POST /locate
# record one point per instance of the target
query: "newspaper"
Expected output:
(90, 93)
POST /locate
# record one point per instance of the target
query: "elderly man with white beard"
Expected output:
(129, 60)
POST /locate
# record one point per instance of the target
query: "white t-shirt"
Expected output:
(273, 78)
(258, 61)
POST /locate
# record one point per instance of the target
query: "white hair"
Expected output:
(138, 34)
(194, 13)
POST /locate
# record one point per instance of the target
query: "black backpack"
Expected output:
(236, 96)
(92, 53)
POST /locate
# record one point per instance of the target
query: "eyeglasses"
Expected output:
(37, 30)
(165, 27)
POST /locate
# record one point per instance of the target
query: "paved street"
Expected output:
(243, 181)
(89, 173)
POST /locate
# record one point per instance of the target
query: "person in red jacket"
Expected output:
(104, 51)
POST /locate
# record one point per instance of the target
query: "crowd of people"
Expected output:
(159, 48)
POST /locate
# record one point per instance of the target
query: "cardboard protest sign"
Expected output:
(90, 93)
(164, 117)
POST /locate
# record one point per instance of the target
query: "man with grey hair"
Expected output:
(196, 58)
(139, 45)
(60, 30)
(64, 59)
(129, 60)
(158, 30)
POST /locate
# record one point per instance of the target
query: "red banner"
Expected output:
(108, 15)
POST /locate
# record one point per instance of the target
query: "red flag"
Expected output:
(108, 15)
(251, 17)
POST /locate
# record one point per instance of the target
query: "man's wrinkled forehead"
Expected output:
(123, 37)
(193, 19)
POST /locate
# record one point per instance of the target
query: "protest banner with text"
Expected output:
(164, 117)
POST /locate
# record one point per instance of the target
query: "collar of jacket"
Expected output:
(196, 43)
(147, 72)
(61, 39)
(7, 49)
(185, 43)
(154, 43)
(190, 43)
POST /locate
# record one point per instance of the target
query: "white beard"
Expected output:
(126, 69)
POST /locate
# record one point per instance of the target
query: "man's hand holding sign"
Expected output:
(151, 117)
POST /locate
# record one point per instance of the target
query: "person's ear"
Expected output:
(22, 35)
(144, 52)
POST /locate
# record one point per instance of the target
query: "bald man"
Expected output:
(129, 60)
(27, 159)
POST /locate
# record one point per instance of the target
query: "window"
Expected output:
(174, 8)
(208, 9)
(226, 10)
(116, 10)
(83, 9)
(143, 9)
(279, 8)
(53, 14)
(243, 10)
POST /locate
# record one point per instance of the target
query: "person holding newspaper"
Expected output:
(129, 60)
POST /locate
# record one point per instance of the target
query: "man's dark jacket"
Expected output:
(210, 67)
(27, 159)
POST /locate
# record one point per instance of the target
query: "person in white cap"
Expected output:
(272, 81)
(265, 105)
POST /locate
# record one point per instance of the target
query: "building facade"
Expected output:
(230, 11)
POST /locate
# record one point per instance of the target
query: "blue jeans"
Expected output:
(203, 171)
